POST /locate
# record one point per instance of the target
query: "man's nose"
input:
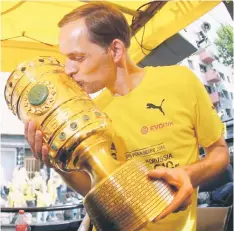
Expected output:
(71, 67)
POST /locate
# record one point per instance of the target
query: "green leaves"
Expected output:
(224, 44)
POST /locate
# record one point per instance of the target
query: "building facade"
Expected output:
(216, 77)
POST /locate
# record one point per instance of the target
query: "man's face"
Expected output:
(87, 63)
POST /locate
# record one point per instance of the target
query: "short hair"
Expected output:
(104, 22)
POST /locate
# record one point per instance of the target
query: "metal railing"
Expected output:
(41, 209)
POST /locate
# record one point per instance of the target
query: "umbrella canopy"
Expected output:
(29, 28)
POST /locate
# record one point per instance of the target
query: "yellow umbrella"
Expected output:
(29, 28)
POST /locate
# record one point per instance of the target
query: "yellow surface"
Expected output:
(38, 20)
(173, 114)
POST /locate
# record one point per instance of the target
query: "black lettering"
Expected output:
(169, 164)
(151, 161)
(156, 165)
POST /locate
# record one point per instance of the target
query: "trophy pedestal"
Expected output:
(127, 199)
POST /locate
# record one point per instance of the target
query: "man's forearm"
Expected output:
(215, 162)
(78, 181)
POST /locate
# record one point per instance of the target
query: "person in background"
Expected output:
(30, 195)
(43, 200)
(68, 214)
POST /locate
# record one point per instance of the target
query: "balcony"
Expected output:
(214, 97)
(212, 76)
(207, 57)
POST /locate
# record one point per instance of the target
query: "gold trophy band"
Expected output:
(79, 137)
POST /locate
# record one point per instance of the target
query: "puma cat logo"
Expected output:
(152, 106)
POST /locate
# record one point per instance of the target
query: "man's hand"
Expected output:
(85, 224)
(179, 179)
(35, 141)
(79, 181)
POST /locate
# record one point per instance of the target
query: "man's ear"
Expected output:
(117, 50)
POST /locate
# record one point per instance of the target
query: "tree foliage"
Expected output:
(224, 44)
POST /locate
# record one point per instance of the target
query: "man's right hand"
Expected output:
(79, 181)
(35, 141)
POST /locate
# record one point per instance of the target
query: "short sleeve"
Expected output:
(208, 126)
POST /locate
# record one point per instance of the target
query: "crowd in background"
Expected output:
(42, 190)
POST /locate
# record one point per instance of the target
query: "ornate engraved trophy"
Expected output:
(79, 137)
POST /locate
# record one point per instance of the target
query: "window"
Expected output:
(190, 63)
(202, 68)
(221, 75)
(226, 94)
(208, 89)
(212, 88)
(221, 95)
(228, 111)
(231, 95)
(228, 79)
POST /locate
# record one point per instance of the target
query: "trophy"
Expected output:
(79, 137)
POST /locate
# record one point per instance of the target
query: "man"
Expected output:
(160, 114)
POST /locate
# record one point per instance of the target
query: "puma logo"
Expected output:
(152, 106)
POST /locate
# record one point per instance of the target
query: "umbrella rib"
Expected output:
(13, 7)
(23, 35)
(10, 38)
(51, 45)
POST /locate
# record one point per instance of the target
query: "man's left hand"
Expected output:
(180, 180)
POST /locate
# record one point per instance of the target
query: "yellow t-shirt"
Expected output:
(163, 121)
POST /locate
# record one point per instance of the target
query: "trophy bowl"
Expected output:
(79, 138)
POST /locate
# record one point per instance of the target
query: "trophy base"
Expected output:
(127, 199)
